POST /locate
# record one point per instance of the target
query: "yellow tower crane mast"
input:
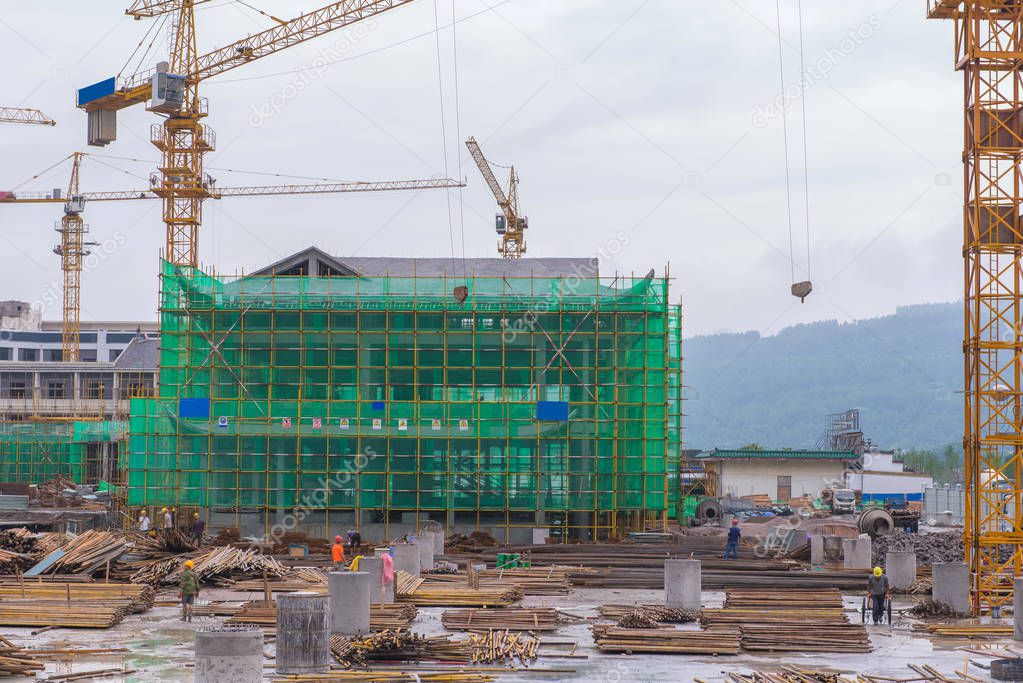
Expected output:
(31, 116)
(511, 226)
(172, 90)
(72, 249)
(989, 53)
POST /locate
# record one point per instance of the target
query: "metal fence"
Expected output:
(946, 498)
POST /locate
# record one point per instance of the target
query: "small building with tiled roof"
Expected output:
(780, 474)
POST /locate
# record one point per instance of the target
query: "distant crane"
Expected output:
(72, 248)
(511, 226)
(172, 90)
(31, 116)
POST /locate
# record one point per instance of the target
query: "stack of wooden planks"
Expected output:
(89, 552)
(508, 618)
(659, 613)
(532, 580)
(15, 661)
(139, 598)
(717, 641)
(388, 676)
(452, 597)
(381, 617)
(966, 630)
(789, 621)
(221, 566)
(297, 579)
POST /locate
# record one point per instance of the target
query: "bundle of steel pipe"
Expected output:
(720, 641)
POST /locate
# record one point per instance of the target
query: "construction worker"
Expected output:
(198, 527)
(189, 590)
(337, 554)
(877, 593)
(732, 545)
(143, 521)
(354, 540)
(168, 523)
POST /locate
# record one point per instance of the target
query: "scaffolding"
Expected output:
(492, 403)
(35, 452)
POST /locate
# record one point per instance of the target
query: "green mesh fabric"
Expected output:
(34, 452)
(429, 403)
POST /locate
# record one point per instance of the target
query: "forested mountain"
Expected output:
(903, 371)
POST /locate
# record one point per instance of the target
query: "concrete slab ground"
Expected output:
(160, 647)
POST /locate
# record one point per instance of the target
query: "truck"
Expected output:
(839, 501)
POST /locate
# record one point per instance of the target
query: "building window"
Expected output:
(53, 355)
(87, 355)
(5, 353)
(94, 388)
(18, 390)
(114, 353)
(56, 390)
(28, 354)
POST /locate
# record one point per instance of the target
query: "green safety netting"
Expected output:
(392, 393)
(34, 452)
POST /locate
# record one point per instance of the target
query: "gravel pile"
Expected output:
(929, 548)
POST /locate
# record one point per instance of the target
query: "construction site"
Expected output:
(462, 468)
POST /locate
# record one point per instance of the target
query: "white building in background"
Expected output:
(882, 478)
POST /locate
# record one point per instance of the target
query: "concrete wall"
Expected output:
(750, 477)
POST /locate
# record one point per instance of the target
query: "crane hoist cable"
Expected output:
(803, 288)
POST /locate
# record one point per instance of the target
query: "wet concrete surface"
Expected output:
(160, 646)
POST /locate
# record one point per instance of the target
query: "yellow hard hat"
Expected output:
(164, 510)
(189, 564)
(877, 571)
(196, 515)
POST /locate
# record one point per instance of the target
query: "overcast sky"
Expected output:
(648, 132)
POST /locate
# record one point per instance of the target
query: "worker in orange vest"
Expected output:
(337, 554)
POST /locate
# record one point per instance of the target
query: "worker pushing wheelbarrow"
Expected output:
(878, 600)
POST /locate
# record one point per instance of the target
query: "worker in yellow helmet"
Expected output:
(877, 593)
(189, 590)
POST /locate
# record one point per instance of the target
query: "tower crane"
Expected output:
(510, 224)
(72, 248)
(32, 116)
(989, 53)
(172, 91)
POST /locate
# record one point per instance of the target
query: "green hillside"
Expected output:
(903, 371)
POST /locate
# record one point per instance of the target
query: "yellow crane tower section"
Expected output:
(31, 116)
(511, 226)
(989, 53)
(172, 90)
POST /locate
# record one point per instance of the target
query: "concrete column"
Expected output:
(1017, 609)
(303, 633)
(683, 582)
(438, 542)
(349, 602)
(540, 536)
(373, 566)
(951, 585)
(388, 593)
(856, 552)
(817, 550)
(229, 654)
(424, 541)
(900, 566)
(406, 558)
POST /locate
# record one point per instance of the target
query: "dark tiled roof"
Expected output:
(139, 354)
(778, 455)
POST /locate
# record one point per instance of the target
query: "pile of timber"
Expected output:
(788, 674)
(492, 647)
(658, 613)
(297, 579)
(789, 621)
(63, 614)
(966, 630)
(641, 566)
(221, 566)
(264, 614)
(16, 661)
(388, 676)
(718, 641)
(462, 597)
(139, 598)
(13, 562)
(19, 540)
(89, 552)
(508, 618)
(532, 580)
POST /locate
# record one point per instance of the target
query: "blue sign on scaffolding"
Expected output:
(552, 411)
(194, 407)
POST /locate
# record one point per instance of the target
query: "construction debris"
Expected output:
(929, 548)
(218, 566)
(16, 661)
(929, 609)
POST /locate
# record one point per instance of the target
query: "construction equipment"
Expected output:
(172, 91)
(30, 116)
(902, 517)
(72, 249)
(511, 226)
(989, 52)
(886, 614)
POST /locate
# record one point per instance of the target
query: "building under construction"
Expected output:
(325, 393)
